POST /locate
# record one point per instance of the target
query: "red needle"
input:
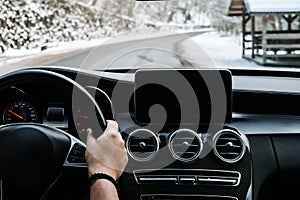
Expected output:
(15, 114)
(82, 116)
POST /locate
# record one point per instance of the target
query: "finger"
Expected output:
(112, 126)
(90, 137)
(113, 133)
(112, 129)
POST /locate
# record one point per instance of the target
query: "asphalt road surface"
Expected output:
(161, 51)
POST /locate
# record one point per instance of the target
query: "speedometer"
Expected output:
(20, 111)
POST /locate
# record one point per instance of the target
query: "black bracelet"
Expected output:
(94, 177)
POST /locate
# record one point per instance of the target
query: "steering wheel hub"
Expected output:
(31, 155)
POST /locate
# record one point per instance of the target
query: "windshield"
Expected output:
(129, 34)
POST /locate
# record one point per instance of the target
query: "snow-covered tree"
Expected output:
(39, 23)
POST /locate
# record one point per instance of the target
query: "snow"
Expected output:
(218, 51)
(60, 50)
(35, 24)
(209, 49)
(15, 59)
(12, 59)
(66, 28)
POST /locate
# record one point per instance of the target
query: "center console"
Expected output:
(182, 146)
(179, 165)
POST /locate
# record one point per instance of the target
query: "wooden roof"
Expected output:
(236, 8)
(263, 7)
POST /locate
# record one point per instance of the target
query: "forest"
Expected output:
(40, 23)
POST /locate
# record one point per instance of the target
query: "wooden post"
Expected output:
(278, 18)
(299, 21)
(264, 40)
(244, 31)
(290, 23)
(289, 20)
(253, 35)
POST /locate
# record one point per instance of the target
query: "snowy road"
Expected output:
(81, 53)
(131, 54)
(203, 48)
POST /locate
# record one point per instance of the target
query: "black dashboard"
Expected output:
(255, 155)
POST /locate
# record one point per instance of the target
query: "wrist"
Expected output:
(101, 176)
(101, 182)
(102, 169)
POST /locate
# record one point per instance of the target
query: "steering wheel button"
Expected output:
(77, 154)
(74, 159)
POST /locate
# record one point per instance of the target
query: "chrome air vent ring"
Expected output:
(142, 145)
(185, 145)
(229, 146)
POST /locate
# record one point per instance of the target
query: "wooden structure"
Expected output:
(236, 8)
(274, 35)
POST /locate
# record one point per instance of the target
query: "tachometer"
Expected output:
(20, 111)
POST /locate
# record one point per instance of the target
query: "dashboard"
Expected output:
(253, 155)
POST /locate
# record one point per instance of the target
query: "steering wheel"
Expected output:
(32, 156)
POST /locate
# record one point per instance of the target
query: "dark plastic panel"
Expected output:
(287, 149)
(264, 168)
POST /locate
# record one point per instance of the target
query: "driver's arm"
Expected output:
(106, 154)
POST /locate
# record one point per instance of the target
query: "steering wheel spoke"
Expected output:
(76, 154)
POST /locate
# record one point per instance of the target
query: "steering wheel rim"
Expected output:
(39, 132)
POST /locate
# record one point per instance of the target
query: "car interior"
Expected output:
(190, 133)
(206, 94)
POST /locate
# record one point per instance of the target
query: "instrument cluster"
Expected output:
(25, 106)
(52, 107)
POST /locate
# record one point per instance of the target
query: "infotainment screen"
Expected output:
(183, 96)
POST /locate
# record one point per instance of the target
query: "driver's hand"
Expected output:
(106, 154)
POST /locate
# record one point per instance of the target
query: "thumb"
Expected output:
(90, 137)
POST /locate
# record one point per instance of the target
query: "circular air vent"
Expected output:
(229, 146)
(142, 144)
(185, 145)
